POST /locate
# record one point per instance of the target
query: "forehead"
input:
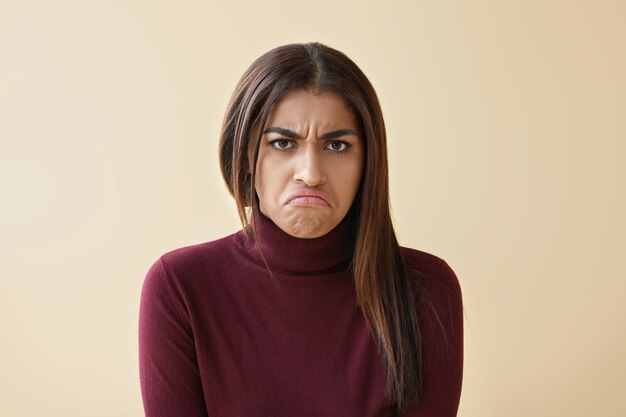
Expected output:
(304, 107)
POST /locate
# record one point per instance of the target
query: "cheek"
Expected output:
(263, 166)
(269, 178)
(349, 176)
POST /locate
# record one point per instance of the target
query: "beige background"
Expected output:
(507, 131)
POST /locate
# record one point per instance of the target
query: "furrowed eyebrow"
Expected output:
(293, 135)
(338, 133)
(285, 132)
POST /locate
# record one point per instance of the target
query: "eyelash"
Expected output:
(272, 142)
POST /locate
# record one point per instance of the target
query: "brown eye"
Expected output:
(338, 146)
(281, 144)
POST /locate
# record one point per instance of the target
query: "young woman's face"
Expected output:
(310, 163)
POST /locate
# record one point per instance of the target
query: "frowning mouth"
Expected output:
(308, 198)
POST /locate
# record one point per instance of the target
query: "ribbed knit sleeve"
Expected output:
(442, 330)
(168, 365)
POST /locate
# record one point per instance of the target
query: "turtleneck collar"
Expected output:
(285, 253)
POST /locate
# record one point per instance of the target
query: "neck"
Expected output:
(285, 253)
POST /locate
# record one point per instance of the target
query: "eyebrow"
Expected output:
(293, 135)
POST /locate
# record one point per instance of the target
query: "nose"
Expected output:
(308, 169)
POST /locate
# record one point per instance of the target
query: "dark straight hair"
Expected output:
(386, 292)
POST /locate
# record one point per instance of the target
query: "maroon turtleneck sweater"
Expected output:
(219, 337)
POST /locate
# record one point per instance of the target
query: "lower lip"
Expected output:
(308, 201)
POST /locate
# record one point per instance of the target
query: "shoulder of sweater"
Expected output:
(430, 269)
(199, 257)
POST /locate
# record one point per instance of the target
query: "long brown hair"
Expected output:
(385, 290)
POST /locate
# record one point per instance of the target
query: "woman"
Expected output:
(312, 309)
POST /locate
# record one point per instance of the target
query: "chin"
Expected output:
(308, 227)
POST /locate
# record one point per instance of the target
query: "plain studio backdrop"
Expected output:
(507, 132)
